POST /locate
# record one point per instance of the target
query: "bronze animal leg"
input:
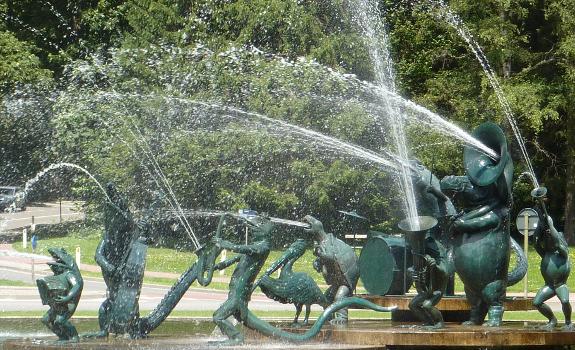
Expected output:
(228, 308)
(298, 308)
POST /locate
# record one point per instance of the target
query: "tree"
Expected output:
(564, 28)
(520, 39)
(25, 133)
(18, 63)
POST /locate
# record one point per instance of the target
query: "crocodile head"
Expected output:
(61, 261)
(260, 225)
(117, 215)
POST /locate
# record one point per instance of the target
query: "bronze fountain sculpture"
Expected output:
(555, 264)
(291, 287)
(429, 271)
(479, 236)
(481, 231)
(252, 257)
(122, 256)
(337, 263)
(62, 293)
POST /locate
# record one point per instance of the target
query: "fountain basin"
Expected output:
(186, 333)
(174, 333)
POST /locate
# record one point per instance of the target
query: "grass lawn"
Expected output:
(158, 259)
(354, 314)
(174, 261)
(10, 283)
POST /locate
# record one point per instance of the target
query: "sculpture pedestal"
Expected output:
(453, 308)
(381, 334)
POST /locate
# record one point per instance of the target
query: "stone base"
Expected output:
(448, 316)
(511, 334)
(453, 308)
(392, 335)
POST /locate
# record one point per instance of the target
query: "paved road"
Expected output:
(18, 267)
(27, 298)
(45, 213)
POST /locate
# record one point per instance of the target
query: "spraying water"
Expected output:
(194, 212)
(422, 114)
(155, 173)
(290, 222)
(215, 213)
(141, 141)
(389, 161)
(30, 183)
(239, 114)
(453, 20)
(60, 18)
(354, 91)
(381, 92)
(438, 123)
(368, 18)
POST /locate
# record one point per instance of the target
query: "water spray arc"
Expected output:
(30, 183)
(368, 18)
(454, 21)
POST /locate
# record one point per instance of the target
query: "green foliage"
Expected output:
(523, 41)
(25, 133)
(132, 72)
(214, 157)
(18, 64)
(153, 21)
(283, 27)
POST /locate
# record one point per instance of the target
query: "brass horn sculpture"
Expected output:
(481, 169)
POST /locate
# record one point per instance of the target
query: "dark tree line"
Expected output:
(98, 54)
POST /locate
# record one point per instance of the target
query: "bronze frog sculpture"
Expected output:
(62, 293)
(555, 265)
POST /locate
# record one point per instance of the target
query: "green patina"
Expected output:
(62, 293)
(429, 271)
(291, 287)
(481, 232)
(252, 258)
(337, 263)
(555, 265)
(122, 256)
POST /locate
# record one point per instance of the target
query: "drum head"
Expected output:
(376, 265)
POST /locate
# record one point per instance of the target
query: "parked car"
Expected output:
(12, 197)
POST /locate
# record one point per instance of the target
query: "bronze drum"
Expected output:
(381, 265)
